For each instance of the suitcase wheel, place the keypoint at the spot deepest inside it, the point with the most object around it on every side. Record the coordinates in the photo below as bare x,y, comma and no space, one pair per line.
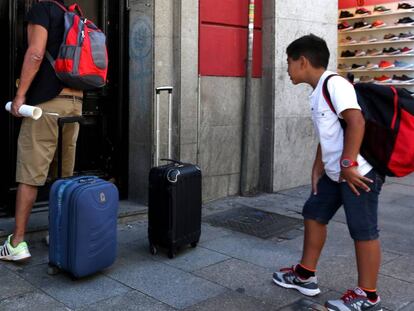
153,249
194,244
52,269
171,253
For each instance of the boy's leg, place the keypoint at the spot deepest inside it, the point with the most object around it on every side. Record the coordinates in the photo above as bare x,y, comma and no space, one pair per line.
314,240
368,256
362,219
318,210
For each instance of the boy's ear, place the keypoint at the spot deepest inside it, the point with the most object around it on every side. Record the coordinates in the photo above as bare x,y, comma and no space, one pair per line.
303,62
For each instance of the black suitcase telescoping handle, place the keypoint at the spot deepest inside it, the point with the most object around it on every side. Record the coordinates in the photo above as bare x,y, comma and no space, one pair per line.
61,123
158,91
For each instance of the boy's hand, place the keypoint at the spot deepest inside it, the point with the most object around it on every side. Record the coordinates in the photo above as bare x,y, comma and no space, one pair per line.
355,179
317,173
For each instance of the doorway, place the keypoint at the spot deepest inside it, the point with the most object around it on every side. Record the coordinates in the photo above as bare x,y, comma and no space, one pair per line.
102,147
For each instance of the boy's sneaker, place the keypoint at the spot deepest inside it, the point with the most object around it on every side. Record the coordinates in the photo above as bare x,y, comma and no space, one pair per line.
354,300
10,253
287,278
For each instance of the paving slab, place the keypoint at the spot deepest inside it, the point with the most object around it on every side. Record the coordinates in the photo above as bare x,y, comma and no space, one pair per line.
131,301
12,284
232,301
395,294
401,268
33,301
409,307
167,284
264,253
209,233
250,279
73,293
192,259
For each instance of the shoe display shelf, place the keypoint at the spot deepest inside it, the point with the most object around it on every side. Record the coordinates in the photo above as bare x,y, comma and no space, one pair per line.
373,38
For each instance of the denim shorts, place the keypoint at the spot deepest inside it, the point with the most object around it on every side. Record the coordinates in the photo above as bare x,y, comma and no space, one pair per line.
361,211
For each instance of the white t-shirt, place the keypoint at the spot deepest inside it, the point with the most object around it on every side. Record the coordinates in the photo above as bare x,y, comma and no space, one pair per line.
327,125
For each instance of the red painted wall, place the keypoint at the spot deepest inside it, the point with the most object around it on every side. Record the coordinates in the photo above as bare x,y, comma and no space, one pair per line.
343,4
223,38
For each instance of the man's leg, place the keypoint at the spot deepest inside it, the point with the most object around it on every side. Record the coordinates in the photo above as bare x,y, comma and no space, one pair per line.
368,257
25,198
314,240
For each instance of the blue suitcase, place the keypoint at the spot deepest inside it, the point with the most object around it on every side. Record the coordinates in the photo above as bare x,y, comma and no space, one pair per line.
83,215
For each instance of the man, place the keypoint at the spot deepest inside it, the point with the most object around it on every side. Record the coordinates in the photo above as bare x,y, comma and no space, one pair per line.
37,140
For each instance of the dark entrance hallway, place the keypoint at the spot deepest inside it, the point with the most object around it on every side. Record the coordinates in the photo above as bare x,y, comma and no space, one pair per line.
103,142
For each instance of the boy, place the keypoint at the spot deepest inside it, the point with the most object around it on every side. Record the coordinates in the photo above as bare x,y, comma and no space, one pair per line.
340,176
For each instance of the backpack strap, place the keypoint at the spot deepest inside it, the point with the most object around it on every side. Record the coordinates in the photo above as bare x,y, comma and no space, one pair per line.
47,54
328,99
326,94
57,3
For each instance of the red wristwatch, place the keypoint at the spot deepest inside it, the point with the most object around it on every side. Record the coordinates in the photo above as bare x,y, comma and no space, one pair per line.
347,163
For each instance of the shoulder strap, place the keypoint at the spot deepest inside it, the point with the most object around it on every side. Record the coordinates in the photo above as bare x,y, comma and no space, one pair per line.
57,3
326,94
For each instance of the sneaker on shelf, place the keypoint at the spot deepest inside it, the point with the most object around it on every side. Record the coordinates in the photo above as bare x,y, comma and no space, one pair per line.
405,21
362,25
10,253
367,39
406,35
381,9
374,52
391,37
348,40
288,278
347,53
402,79
357,67
405,6
402,65
360,53
407,50
378,24
345,14
391,51
383,79
385,65
344,26
362,11
366,79
372,66
344,67
354,300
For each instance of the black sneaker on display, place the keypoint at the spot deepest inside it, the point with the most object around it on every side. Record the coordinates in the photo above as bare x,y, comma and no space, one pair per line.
405,21
405,6
347,53
345,14
362,25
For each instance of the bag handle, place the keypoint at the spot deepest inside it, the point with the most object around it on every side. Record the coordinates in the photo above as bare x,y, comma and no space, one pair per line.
76,8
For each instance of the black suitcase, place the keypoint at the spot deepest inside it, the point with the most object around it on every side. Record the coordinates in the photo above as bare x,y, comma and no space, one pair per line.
174,204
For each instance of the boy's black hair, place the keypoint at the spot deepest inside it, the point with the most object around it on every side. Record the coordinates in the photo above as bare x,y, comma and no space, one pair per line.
312,47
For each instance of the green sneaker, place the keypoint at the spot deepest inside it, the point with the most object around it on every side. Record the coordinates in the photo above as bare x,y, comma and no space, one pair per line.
10,253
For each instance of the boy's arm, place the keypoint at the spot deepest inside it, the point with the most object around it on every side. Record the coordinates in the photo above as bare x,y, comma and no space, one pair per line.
355,128
317,170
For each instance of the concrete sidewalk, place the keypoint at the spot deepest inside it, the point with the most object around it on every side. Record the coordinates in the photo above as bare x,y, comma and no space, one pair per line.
228,270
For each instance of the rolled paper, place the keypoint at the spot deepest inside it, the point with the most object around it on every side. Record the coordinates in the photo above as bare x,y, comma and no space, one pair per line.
27,111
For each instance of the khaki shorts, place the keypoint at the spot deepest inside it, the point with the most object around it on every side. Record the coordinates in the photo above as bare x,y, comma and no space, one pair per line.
36,146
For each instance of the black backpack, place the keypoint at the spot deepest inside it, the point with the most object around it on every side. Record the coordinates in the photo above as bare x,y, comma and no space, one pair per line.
388,143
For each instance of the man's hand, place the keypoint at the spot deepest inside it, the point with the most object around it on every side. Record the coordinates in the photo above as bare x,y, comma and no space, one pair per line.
18,101
355,179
